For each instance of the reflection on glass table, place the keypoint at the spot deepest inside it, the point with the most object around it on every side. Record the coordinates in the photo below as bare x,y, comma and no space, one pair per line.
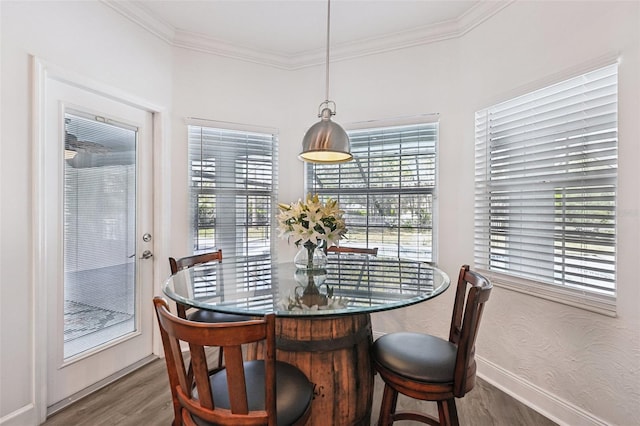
350,284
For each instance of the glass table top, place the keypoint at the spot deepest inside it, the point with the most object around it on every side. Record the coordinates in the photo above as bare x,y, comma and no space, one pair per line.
350,284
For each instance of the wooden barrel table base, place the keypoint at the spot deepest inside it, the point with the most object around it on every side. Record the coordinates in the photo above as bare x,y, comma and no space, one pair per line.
334,354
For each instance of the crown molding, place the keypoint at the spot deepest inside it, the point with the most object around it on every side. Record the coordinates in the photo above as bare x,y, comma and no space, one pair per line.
144,19
480,13
339,52
202,43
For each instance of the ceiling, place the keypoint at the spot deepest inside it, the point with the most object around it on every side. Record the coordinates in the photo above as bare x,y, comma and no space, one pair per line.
292,34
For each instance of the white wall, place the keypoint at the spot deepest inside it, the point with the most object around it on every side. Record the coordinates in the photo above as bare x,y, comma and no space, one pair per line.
577,366
590,361
87,38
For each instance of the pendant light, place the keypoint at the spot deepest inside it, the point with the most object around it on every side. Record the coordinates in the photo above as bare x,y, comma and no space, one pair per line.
326,141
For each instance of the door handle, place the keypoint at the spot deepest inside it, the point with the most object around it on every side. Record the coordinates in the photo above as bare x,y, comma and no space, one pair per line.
146,254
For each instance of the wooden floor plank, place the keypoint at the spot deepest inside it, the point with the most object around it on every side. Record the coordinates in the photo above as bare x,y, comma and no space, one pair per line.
140,398
143,398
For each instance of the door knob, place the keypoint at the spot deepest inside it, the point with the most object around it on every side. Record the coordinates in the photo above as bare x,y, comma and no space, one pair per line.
146,254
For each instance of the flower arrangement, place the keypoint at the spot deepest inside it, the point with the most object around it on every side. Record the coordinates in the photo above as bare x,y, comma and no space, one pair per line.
311,222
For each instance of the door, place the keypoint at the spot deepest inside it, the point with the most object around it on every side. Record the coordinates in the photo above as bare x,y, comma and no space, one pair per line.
99,310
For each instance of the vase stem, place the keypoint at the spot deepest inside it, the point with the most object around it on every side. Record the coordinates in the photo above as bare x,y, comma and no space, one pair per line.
311,248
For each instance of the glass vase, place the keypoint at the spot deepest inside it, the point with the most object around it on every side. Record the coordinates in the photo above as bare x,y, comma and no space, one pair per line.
310,256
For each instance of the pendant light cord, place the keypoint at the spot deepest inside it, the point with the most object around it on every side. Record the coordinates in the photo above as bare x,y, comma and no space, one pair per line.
328,41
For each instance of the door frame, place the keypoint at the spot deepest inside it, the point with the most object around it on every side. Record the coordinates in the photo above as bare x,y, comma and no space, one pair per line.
43,262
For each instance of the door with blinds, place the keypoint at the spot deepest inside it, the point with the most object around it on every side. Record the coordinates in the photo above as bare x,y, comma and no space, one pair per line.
99,295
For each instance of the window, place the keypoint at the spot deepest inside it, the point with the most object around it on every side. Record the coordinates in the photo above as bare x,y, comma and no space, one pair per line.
233,194
387,191
546,172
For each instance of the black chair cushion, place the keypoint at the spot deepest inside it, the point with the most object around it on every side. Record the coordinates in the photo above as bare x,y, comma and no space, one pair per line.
416,356
293,391
203,315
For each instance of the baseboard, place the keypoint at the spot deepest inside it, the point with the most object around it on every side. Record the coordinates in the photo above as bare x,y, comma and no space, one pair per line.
536,398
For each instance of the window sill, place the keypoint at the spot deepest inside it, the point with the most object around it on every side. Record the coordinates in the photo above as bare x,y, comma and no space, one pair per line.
599,303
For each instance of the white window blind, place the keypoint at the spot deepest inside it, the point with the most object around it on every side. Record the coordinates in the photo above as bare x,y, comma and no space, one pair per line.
233,176
387,190
546,172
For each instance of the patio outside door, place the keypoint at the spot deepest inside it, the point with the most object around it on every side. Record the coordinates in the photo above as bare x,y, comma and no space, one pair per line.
99,300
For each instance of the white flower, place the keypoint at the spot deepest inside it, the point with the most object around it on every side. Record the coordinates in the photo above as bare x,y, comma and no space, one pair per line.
311,221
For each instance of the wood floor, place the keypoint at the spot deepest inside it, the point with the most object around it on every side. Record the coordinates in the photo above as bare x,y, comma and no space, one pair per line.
143,398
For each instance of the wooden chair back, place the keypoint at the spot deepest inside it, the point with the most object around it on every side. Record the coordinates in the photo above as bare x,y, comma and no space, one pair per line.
197,259
198,400
360,250
465,322
189,262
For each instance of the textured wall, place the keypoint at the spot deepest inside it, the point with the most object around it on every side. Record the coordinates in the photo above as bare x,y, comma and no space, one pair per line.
585,360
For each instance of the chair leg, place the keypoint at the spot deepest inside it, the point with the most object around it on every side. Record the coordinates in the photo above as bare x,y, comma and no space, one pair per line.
177,411
448,413
388,406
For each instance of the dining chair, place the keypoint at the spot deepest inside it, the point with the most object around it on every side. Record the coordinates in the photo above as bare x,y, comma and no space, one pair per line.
429,368
200,315
243,392
361,250
352,269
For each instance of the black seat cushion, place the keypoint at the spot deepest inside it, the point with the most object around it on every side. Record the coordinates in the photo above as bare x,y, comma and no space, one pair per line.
293,391
416,356
203,315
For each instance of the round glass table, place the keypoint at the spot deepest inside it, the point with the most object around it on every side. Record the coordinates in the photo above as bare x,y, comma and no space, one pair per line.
323,323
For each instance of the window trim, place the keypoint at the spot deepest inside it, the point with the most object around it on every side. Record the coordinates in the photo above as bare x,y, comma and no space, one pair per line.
229,125
593,301
601,304
428,118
